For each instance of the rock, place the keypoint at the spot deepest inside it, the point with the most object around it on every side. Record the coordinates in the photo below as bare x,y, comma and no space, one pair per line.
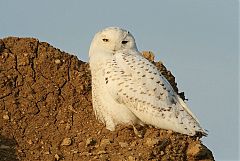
57,61
6,117
66,142
57,157
161,152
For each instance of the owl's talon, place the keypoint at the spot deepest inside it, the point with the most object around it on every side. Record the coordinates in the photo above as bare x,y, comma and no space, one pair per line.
136,132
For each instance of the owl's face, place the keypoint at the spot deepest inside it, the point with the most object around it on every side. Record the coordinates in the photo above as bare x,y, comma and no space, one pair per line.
112,39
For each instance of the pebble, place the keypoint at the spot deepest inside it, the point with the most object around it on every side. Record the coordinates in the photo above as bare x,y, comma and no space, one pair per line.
161,152
57,157
57,61
66,142
6,117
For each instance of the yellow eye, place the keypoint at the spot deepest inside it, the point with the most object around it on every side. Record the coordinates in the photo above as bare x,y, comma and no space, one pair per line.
124,42
105,40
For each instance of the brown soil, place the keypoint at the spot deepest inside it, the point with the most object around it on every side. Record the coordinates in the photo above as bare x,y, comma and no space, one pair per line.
46,113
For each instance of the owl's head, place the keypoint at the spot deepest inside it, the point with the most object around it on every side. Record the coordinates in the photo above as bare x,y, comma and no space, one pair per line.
112,39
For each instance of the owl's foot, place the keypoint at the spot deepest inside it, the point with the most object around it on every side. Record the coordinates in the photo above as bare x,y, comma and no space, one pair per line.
139,130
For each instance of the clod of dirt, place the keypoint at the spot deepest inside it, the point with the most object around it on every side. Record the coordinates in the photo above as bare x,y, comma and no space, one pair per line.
45,103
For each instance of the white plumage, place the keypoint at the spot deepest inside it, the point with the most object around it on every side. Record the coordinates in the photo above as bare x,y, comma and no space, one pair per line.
128,89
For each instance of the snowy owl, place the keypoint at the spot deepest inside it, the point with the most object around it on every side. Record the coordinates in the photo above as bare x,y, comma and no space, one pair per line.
128,89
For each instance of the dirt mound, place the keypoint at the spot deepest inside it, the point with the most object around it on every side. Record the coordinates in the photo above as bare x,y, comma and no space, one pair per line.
46,113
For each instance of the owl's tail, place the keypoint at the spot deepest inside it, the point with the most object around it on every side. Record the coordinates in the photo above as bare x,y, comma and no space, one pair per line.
184,105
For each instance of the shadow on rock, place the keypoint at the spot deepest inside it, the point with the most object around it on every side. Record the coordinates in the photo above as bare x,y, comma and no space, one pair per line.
8,149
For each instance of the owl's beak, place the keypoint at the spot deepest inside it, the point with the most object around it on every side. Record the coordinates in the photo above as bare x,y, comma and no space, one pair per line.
114,49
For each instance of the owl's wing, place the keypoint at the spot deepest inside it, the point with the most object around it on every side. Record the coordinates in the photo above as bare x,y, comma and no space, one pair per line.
135,82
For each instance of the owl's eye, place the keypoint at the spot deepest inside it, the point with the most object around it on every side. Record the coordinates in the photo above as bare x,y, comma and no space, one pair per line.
105,40
124,42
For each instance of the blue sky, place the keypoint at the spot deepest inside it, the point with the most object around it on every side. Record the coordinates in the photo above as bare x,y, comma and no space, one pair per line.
196,39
